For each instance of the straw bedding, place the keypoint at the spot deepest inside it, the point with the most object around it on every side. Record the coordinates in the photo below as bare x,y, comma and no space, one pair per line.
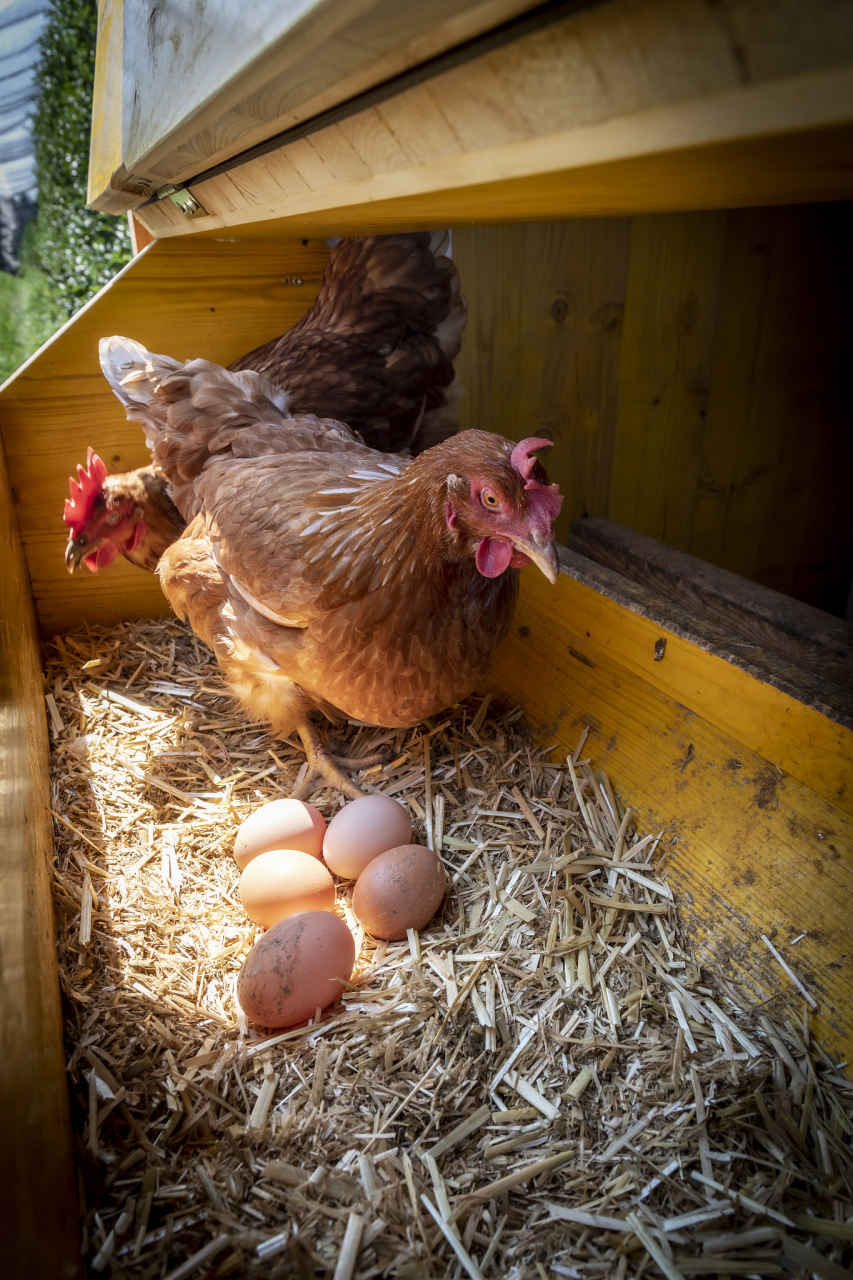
544,1082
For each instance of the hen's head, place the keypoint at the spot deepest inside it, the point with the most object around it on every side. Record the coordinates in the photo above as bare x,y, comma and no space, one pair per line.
104,514
500,506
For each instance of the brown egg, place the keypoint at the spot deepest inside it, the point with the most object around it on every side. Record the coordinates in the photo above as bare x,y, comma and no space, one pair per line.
281,824
399,890
281,882
360,831
299,965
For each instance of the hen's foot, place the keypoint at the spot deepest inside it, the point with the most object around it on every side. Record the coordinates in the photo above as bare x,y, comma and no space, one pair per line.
326,769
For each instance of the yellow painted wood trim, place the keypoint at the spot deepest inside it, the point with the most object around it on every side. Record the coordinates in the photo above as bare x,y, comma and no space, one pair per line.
106,146
791,735
658,151
748,849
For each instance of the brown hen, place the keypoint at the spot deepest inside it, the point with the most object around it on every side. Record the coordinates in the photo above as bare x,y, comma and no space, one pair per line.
326,575
129,514
375,350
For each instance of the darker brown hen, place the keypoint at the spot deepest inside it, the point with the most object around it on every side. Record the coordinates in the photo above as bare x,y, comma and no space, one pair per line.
326,575
375,350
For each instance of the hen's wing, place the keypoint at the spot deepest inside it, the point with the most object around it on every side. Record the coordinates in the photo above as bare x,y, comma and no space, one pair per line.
238,633
285,528
376,349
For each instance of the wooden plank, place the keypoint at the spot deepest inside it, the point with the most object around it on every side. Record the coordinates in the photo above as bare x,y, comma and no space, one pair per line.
815,640
621,108
733,438
749,847
774,502
800,723
140,236
185,298
189,88
665,372
106,145
40,1235
601,63
541,349
561,176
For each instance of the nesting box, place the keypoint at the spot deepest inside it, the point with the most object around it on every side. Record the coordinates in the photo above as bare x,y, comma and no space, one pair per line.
649,217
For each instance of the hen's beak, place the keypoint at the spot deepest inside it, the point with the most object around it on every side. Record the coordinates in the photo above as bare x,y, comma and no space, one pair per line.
75,551
543,554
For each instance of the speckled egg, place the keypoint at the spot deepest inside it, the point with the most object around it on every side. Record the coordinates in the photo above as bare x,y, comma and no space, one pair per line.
299,965
281,824
281,882
401,889
360,831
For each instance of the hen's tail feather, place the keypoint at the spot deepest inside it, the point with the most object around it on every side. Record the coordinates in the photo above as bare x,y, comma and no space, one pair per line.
196,411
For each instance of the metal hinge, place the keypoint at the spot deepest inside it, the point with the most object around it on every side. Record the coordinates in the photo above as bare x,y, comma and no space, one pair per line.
186,202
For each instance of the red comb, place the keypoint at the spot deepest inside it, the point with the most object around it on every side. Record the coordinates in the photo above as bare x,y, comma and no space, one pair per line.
91,479
545,503
523,457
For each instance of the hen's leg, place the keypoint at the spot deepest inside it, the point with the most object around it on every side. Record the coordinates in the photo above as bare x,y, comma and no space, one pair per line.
325,767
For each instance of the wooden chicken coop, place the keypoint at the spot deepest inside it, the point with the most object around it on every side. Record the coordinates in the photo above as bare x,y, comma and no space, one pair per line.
650,203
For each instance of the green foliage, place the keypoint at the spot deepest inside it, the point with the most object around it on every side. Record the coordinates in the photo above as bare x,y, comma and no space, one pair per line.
69,252
77,249
29,311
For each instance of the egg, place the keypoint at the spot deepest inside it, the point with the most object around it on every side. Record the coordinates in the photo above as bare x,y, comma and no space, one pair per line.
401,889
299,965
281,824
360,831
281,882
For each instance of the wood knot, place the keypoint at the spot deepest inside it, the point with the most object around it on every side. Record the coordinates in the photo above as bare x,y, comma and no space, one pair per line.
559,310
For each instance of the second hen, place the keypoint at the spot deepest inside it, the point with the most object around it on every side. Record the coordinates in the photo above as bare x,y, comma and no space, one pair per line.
326,575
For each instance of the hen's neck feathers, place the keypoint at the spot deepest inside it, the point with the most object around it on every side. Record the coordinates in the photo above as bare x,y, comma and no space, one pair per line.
385,522
164,524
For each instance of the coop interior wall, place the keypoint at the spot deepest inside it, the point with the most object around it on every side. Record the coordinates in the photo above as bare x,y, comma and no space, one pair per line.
758,831
690,368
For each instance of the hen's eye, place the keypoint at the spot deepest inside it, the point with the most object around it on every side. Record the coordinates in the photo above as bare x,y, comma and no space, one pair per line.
489,499
112,518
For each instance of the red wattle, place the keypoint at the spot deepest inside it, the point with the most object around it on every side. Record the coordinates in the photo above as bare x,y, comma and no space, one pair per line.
494,556
99,559
136,537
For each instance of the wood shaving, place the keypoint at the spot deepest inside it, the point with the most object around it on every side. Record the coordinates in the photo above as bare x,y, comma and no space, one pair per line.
543,1082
